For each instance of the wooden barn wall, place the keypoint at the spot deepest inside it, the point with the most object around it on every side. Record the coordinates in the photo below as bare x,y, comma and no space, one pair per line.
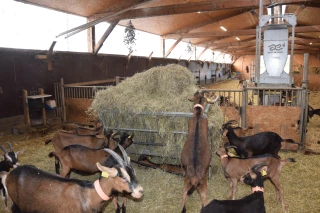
298,64
19,69
282,120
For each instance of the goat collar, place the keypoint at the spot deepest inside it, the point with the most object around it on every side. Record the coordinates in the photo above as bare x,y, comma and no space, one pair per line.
99,191
198,105
223,156
257,189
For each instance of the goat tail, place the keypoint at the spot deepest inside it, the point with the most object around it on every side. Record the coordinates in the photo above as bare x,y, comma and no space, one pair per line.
57,161
288,140
194,182
48,141
285,161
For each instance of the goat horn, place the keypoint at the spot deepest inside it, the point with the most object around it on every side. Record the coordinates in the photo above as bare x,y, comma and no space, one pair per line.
10,146
5,151
227,147
256,167
116,156
212,101
125,155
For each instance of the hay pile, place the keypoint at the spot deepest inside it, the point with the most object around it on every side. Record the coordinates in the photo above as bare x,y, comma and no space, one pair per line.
133,103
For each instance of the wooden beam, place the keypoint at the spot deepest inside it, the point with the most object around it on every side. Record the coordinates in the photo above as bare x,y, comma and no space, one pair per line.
253,52
300,29
172,47
91,36
203,6
104,37
150,56
299,10
50,53
93,23
207,22
128,58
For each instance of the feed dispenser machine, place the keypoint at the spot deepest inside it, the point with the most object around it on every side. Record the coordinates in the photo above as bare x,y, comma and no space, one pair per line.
277,71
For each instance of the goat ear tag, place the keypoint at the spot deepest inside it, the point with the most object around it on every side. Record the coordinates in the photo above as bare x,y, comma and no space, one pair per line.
263,173
105,174
129,136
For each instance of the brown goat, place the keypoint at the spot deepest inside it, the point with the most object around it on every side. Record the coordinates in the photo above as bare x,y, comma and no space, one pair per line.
32,189
82,159
196,152
234,168
62,139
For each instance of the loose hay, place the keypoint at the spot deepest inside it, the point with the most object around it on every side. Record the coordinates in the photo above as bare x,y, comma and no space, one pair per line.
135,102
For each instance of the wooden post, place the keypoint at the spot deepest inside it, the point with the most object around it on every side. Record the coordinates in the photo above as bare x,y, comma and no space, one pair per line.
44,117
25,107
244,104
305,101
63,106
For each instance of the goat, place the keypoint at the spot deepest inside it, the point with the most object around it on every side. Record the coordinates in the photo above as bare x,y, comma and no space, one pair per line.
240,132
258,144
31,189
10,160
234,168
170,168
62,139
82,159
253,203
196,153
312,111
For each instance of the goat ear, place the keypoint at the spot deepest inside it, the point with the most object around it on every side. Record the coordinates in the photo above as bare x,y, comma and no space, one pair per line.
20,152
263,170
191,99
111,171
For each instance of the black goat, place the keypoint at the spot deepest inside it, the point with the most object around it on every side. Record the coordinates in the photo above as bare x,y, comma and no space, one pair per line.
253,203
258,144
312,111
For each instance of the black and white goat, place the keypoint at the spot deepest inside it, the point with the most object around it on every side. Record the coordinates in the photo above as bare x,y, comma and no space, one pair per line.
253,203
9,161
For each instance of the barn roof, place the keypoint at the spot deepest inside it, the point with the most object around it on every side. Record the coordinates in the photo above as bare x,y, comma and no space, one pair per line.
198,21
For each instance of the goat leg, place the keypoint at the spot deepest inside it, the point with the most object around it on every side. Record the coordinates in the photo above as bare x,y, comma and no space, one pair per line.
234,188
203,191
116,204
124,205
187,186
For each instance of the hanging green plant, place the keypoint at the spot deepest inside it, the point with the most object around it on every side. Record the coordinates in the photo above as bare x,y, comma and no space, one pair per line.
129,37
190,48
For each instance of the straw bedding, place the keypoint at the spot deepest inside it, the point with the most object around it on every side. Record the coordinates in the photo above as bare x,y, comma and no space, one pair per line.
162,191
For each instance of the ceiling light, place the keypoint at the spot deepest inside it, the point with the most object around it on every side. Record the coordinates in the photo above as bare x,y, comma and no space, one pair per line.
238,38
310,43
223,28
